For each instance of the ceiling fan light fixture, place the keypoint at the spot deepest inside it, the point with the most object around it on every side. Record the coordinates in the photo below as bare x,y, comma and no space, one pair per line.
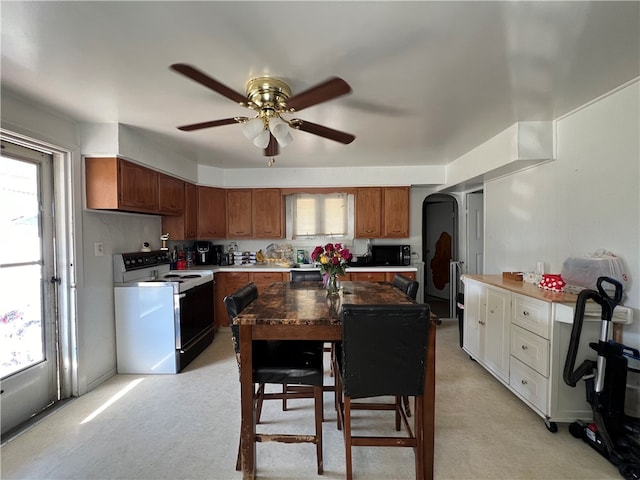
253,128
262,139
280,130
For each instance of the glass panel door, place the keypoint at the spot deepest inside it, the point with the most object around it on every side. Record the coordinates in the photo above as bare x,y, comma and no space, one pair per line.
28,362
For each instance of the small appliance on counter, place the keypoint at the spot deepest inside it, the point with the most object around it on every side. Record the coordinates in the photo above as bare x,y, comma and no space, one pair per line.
206,253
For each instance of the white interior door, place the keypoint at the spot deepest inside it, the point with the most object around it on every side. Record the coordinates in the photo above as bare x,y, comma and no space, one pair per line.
28,355
475,233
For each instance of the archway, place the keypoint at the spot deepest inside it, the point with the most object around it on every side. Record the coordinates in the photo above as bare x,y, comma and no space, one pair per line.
439,247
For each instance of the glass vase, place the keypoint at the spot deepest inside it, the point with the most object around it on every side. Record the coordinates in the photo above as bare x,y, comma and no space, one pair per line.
332,284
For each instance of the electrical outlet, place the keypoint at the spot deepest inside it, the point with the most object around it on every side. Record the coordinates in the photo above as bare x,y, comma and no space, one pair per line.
98,248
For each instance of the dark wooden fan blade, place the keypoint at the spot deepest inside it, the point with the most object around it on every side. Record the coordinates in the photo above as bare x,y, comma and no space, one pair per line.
322,131
204,79
327,90
213,123
272,149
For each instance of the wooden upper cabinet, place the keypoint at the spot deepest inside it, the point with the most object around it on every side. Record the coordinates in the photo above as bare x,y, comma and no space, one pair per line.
170,194
267,213
368,213
190,210
382,212
239,213
138,187
395,216
116,184
212,205
184,226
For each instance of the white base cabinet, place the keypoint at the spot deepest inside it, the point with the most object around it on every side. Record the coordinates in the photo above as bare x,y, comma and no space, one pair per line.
523,341
486,327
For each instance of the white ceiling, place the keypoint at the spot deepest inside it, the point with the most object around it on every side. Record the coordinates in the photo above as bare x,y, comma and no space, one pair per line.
431,80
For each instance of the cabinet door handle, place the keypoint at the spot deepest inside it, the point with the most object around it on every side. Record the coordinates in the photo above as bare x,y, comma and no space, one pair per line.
524,347
481,323
525,313
523,382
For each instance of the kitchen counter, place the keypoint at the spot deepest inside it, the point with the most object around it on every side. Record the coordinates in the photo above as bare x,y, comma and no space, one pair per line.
271,268
524,288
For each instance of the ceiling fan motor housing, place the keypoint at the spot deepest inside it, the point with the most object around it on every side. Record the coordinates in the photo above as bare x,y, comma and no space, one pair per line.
267,93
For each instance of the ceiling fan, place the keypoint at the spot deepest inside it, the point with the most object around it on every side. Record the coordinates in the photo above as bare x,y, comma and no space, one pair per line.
271,98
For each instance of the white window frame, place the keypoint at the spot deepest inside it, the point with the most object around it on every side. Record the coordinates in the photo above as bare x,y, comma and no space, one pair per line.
290,219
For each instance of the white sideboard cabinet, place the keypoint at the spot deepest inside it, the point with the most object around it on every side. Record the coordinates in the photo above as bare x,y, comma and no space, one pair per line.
521,335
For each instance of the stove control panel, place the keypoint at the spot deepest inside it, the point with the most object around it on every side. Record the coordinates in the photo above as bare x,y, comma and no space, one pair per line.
136,260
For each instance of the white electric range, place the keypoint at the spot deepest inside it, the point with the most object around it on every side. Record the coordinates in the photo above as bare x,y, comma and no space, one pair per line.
164,317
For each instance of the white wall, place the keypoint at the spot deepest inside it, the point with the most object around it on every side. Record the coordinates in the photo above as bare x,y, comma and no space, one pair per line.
588,198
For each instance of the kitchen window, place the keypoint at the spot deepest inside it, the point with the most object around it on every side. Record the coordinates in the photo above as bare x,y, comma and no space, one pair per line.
310,216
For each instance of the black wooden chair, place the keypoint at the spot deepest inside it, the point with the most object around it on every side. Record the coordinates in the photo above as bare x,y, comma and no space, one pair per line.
383,353
407,285
285,363
306,275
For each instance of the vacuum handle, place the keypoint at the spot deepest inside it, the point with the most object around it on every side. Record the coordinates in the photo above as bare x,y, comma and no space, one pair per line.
607,311
617,297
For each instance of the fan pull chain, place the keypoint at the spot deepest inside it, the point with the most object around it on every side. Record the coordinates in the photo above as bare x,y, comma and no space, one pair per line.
272,161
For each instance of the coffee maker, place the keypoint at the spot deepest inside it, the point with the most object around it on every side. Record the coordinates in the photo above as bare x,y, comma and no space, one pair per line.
206,253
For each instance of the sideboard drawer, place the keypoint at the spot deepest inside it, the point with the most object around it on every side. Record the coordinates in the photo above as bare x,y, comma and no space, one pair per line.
528,383
530,349
532,314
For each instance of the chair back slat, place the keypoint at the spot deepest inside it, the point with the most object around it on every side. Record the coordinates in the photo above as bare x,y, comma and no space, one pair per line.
384,349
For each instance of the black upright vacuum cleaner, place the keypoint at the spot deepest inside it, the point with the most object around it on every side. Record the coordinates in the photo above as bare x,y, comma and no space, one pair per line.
615,435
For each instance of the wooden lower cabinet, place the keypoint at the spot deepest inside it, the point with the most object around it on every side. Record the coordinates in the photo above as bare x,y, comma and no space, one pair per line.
368,276
410,274
264,279
376,276
226,283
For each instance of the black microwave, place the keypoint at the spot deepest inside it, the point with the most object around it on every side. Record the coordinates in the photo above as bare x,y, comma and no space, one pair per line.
393,255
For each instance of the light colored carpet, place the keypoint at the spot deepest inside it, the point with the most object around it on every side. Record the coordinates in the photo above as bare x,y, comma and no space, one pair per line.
186,427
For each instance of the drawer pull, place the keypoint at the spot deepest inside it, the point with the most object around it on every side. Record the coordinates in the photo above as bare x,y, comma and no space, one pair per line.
481,322
525,313
523,382
524,347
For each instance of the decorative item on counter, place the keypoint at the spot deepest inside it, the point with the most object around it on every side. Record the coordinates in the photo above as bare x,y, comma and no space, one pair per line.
164,238
145,247
552,282
333,260
517,276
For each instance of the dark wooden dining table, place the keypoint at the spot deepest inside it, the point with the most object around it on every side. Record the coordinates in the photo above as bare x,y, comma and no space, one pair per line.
303,311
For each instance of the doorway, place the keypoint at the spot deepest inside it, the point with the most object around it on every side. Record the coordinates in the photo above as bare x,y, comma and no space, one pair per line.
30,247
439,247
